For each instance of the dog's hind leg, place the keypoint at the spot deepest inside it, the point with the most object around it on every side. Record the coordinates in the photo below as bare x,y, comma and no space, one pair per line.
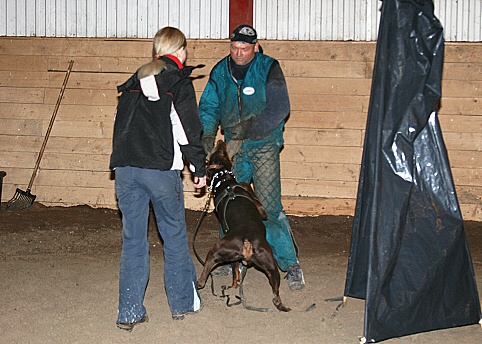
236,275
219,254
266,263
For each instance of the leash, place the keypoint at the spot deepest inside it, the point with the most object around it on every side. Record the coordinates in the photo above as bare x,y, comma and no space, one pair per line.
241,298
198,225
196,230
342,299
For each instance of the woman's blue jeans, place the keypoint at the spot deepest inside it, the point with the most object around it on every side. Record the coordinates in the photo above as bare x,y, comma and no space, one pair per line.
135,187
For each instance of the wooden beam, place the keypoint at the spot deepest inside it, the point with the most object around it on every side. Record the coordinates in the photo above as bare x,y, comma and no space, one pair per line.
240,12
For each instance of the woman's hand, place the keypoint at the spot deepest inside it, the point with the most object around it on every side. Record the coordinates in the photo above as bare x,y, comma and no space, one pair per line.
199,182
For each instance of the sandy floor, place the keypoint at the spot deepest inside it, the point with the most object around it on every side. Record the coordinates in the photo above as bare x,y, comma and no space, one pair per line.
59,269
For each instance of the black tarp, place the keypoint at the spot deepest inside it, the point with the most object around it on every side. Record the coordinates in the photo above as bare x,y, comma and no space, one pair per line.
409,259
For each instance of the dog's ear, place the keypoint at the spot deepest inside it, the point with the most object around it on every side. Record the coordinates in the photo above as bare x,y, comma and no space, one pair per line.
214,167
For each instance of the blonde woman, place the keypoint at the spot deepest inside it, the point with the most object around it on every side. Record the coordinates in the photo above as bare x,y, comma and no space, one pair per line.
156,127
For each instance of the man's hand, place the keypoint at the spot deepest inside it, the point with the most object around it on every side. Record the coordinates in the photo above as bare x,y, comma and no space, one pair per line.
199,182
242,130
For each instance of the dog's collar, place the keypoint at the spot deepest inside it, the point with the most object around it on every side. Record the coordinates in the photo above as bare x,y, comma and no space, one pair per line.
216,180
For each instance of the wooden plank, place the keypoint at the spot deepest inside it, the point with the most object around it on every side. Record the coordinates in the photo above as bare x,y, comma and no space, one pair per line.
462,71
23,78
74,178
86,112
77,145
319,50
57,161
460,123
471,212
329,102
317,171
322,85
104,64
19,62
83,96
323,154
463,141
353,120
313,206
21,95
72,129
461,88
324,137
462,52
464,159
327,69
332,86
461,106
350,172
96,80
293,50
25,111
44,46
469,194
327,120
66,112
64,178
319,188
62,196
21,127
467,176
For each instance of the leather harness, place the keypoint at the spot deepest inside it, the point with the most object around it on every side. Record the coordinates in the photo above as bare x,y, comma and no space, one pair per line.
228,194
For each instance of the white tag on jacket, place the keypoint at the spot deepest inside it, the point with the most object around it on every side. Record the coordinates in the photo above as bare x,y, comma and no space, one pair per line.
248,91
149,88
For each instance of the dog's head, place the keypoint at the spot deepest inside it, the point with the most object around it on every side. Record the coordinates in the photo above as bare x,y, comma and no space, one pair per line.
219,160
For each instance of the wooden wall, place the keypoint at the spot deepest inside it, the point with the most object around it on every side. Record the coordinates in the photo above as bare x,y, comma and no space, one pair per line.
329,85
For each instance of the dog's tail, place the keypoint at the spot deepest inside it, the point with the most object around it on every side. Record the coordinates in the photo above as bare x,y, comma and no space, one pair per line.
247,249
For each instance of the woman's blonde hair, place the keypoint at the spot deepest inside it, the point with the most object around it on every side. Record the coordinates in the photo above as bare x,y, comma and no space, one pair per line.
167,40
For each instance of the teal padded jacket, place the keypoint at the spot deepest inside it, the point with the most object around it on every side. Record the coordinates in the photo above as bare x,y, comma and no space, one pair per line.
227,102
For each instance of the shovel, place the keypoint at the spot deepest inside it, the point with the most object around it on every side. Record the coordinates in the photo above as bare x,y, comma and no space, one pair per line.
24,199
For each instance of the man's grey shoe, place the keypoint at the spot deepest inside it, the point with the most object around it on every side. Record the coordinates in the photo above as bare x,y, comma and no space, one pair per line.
129,326
223,270
295,278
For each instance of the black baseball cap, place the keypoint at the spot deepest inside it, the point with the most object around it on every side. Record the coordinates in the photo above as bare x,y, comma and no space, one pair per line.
244,33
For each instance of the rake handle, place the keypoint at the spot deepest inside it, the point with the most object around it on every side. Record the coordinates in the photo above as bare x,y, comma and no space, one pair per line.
52,119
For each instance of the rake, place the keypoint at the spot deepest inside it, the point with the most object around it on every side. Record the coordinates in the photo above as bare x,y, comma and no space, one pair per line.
24,199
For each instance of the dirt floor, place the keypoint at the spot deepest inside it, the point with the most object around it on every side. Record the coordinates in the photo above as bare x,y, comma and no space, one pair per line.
59,269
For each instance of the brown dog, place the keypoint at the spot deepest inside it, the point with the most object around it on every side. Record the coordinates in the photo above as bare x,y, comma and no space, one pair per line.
241,216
